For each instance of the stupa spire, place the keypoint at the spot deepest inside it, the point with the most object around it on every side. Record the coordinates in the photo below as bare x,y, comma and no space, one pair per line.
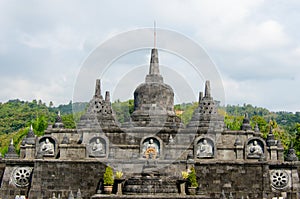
154,66
154,34
98,88
207,89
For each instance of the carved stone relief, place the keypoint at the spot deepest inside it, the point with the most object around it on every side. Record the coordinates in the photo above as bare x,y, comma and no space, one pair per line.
204,148
97,147
279,179
21,176
47,147
151,148
255,149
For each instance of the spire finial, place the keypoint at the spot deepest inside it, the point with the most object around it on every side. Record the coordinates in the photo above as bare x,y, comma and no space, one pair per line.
154,66
207,89
154,34
12,141
98,88
107,96
31,128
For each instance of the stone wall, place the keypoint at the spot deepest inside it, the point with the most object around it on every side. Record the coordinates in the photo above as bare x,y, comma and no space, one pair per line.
60,177
244,179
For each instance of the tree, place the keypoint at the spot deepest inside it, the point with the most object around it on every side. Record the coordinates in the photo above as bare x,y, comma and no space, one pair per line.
40,125
68,121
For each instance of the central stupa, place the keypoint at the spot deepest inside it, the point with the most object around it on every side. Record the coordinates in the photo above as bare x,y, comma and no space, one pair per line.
154,100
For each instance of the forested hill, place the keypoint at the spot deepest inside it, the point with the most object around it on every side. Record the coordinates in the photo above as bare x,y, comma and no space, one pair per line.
17,114
16,117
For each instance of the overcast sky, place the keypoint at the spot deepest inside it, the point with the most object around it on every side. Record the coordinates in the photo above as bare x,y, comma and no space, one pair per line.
254,44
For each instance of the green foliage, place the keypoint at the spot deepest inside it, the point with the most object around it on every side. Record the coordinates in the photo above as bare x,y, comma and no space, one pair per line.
16,114
17,138
119,174
233,122
108,177
71,108
261,122
296,138
192,178
68,121
185,111
40,124
123,110
184,175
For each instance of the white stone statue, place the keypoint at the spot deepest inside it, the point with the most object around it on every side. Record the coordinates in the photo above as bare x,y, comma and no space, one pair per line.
47,147
98,146
171,140
255,149
151,149
204,149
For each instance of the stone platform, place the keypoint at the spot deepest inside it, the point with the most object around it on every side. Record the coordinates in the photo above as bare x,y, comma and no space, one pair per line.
158,196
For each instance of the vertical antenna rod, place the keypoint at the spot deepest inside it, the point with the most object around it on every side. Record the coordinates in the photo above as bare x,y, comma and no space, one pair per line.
154,34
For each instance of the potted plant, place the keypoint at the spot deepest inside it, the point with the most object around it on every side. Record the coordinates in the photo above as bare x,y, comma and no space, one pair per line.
119,175
182,182
119,179
192,182
184,175
108,180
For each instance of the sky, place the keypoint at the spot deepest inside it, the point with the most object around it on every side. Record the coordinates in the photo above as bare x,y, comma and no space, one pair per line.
253,44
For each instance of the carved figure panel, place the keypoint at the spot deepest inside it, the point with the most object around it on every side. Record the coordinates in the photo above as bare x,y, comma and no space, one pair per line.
97,147
205,148
151,148
255,149
47,147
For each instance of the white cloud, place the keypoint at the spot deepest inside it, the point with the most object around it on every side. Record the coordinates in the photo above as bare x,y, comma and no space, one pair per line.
60,39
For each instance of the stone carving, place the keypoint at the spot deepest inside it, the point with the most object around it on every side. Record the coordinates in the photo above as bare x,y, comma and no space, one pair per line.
279,179
151,149
171,139
47,147
205,148
11,152
255,150
65,140
97,147
291,155
21,176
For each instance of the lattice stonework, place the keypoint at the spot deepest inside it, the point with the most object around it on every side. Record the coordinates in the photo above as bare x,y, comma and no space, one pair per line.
21,176
279,179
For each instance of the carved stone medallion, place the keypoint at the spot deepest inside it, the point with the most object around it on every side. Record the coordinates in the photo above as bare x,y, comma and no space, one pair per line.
21,176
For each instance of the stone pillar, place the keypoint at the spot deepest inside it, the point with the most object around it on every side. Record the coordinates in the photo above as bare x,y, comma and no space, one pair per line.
273,152
239,152
182,187
295,183
29,152
280,154
119,186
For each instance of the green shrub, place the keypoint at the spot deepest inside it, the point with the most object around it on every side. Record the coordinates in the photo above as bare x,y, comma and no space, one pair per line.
193,178
108,177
